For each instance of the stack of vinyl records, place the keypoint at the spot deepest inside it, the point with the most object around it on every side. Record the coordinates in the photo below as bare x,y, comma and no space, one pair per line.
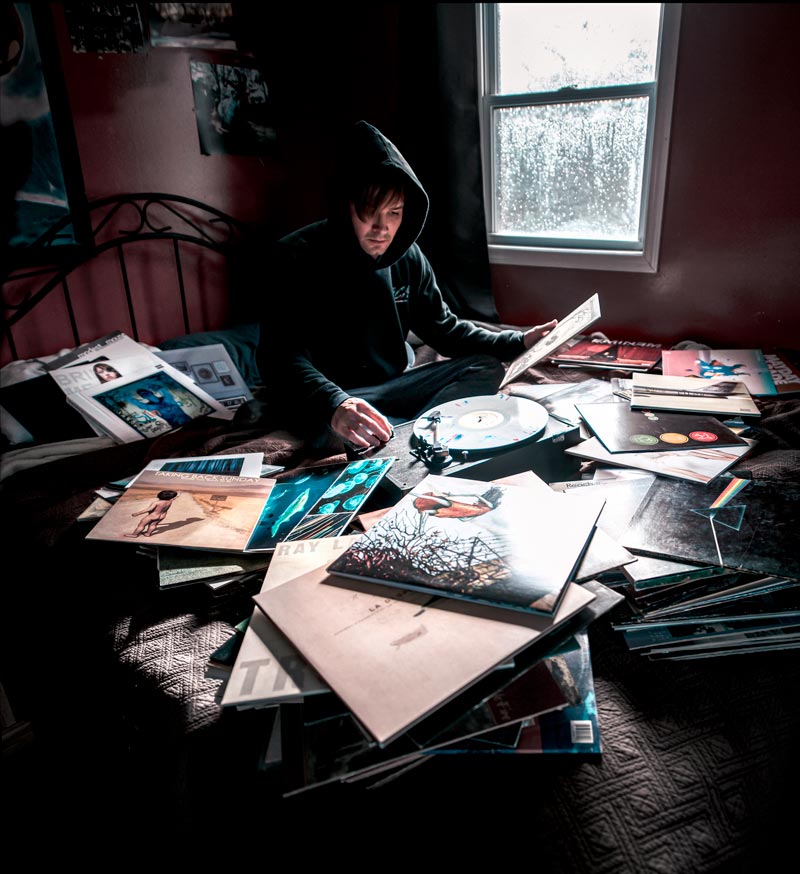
717,570
431,634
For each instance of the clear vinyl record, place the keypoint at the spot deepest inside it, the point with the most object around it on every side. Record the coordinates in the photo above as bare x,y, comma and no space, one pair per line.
484,423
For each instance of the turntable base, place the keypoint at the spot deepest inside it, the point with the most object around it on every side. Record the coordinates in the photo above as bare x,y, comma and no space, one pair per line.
544,456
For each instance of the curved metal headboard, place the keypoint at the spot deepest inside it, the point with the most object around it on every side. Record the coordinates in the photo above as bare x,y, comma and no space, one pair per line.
116,222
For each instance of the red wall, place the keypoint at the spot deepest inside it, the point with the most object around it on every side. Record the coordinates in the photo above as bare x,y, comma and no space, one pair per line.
730,251
729,272
136,130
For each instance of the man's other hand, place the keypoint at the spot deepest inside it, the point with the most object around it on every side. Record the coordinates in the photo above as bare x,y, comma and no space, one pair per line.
534,334
361,424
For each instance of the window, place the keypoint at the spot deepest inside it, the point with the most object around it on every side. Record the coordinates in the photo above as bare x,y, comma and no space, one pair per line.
576,103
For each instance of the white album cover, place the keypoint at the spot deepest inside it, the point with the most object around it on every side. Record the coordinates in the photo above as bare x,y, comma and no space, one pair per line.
147,403
578,320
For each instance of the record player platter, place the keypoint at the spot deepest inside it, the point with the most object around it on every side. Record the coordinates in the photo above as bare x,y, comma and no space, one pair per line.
483,424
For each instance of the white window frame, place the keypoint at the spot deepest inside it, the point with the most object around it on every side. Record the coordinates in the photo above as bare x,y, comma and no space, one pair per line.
644,257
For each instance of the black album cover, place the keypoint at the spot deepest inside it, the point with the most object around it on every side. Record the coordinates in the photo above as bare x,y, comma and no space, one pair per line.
746,525
621,429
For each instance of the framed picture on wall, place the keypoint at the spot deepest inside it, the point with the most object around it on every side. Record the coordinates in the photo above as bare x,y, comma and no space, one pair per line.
192,25
43,214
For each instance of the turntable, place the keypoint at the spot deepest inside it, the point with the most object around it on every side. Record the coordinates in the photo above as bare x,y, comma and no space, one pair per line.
483,437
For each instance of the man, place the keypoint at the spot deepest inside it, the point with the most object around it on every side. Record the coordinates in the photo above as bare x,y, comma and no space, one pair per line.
344,293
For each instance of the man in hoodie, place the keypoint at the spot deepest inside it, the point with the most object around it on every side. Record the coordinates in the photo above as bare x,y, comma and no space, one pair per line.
343,295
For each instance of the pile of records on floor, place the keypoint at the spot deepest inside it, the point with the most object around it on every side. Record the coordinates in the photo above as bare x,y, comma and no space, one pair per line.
706,612
432,633
714,568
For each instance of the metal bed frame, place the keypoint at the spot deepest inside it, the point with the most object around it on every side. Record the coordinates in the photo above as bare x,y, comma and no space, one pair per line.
116,222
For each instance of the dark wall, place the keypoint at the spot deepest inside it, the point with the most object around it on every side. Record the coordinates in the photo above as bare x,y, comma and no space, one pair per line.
730,252
324,69
729,271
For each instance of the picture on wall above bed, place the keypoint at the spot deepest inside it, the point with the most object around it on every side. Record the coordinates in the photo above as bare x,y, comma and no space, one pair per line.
232,108
42,177
146,403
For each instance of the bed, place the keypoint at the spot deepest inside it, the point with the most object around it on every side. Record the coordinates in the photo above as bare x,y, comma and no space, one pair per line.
108,679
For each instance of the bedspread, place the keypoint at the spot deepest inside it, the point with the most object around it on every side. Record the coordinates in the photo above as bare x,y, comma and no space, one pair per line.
699,765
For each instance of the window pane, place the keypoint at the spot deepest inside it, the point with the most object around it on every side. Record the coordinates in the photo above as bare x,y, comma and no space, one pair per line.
547,46
570,170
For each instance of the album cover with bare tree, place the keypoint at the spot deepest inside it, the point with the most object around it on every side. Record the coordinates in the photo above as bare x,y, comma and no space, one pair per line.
504,545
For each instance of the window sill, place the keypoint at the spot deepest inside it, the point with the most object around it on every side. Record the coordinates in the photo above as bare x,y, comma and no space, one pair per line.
574,259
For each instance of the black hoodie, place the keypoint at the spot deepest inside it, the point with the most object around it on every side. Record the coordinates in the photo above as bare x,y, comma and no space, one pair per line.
336,318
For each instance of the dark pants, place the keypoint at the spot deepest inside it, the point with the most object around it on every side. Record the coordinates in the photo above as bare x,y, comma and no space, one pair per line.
419,389
406,397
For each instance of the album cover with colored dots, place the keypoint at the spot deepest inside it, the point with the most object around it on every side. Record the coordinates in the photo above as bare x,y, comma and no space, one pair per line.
622,429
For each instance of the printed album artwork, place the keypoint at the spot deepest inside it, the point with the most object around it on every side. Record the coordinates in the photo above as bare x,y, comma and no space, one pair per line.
149,404
576,728
113,346
718,396
82,377
577,321
211,367
503,545
316,502
193,510
742,524
573,729
241,464
746,365
595,352
784,368
621,429
697,465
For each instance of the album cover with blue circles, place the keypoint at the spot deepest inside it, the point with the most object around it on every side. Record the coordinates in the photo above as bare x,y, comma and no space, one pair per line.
316,501
621,429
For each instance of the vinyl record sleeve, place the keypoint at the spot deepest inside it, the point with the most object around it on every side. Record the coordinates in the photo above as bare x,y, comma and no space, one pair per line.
745,525
146,403
489,543
694,465
718,396
317,501
744,365
622,429
577,321
393,655
212,367
269,669
190,510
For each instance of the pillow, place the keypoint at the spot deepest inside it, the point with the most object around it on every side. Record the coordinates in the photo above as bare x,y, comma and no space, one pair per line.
241,343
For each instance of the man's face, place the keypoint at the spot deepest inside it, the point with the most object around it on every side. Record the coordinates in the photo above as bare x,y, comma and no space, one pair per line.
376,230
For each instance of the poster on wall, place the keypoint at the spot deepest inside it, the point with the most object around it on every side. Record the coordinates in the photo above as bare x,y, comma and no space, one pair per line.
232,108
192,25
105,27
42,190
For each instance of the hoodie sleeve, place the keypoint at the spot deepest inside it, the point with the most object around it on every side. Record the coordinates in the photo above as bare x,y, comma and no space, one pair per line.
293,383
435,323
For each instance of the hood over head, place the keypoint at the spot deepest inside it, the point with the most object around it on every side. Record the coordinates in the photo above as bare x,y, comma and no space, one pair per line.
366,155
